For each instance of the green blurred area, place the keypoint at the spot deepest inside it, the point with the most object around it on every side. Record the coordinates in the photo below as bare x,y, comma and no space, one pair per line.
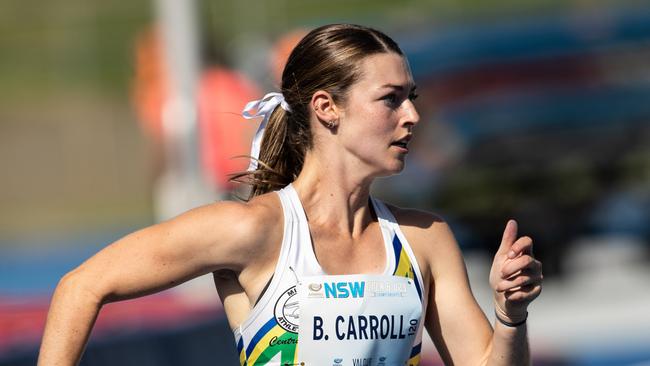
53,47
227,18
71,153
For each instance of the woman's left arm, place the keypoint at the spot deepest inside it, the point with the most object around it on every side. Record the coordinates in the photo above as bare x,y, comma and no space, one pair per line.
457,325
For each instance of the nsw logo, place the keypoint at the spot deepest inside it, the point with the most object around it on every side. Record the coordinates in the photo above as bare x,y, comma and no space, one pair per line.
342,290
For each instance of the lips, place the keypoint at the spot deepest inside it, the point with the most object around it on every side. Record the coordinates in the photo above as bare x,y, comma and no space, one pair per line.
403,142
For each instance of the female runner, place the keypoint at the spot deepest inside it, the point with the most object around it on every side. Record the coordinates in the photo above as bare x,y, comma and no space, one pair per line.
312,270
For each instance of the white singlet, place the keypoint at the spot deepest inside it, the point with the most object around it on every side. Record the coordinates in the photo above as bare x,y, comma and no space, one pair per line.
306,317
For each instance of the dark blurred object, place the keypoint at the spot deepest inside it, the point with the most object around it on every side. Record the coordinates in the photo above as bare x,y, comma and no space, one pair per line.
552,183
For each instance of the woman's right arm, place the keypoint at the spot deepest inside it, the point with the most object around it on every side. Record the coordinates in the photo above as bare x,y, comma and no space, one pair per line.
203,240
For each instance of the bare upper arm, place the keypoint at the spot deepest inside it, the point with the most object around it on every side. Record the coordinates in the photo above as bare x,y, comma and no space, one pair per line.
218,236
455,322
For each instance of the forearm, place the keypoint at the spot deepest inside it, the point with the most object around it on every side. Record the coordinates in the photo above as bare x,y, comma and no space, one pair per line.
509,346
72,313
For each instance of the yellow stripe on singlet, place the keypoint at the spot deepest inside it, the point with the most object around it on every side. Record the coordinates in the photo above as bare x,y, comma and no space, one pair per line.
404,267
263,343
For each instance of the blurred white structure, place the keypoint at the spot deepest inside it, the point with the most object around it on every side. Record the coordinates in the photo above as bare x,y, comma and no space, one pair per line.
182,185
602,307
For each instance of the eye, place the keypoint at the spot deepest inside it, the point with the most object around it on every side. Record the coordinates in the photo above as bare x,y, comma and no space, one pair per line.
391,100
413,96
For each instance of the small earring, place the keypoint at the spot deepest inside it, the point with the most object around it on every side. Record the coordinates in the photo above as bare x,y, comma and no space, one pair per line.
331,123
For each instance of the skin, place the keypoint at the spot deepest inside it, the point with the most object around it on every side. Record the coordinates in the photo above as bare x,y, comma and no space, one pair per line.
240,242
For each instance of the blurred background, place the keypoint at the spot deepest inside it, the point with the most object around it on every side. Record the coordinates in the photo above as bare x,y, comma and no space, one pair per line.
116,115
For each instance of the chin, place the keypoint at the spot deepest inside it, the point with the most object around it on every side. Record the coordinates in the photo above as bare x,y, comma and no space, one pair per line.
387,168
395,168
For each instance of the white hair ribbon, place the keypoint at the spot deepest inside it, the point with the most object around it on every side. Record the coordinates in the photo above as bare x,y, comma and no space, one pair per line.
263,108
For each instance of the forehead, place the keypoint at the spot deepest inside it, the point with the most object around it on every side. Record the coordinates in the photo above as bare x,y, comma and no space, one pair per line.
385,69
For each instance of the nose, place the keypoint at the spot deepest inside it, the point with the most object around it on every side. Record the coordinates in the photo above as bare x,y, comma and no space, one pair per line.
411,115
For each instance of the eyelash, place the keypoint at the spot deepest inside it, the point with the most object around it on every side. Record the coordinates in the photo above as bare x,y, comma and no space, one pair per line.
391,99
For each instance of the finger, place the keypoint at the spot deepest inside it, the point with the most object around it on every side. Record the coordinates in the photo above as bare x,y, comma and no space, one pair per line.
524,294
518,282
519,265
522,245
509,237
534,271
525,262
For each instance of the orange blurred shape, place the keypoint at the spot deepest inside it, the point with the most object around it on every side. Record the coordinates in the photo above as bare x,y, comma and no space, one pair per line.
223,132
282,49
150,83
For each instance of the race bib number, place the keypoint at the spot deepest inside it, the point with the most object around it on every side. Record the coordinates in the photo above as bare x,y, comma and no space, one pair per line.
357,320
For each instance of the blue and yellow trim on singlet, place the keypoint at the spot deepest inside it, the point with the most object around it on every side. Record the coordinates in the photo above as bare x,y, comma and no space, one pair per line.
404,268
414,358
403,265
267,343
240,351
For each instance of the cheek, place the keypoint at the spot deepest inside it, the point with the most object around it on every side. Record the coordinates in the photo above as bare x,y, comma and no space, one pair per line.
376,119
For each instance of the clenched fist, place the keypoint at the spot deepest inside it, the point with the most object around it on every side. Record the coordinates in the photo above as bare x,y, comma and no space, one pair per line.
516,276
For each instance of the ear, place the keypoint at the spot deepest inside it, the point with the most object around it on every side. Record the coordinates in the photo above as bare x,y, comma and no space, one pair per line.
324,107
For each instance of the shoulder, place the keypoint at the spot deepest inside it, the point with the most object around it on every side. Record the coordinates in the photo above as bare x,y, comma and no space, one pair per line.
420,223
257,220
239,230
429,235
259,214
255,217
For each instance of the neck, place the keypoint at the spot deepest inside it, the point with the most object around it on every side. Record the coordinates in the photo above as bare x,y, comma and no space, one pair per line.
333,196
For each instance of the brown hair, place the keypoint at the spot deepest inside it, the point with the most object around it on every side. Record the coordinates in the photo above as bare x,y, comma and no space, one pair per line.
327,58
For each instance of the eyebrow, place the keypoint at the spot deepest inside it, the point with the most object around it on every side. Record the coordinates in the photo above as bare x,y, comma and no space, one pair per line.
398,87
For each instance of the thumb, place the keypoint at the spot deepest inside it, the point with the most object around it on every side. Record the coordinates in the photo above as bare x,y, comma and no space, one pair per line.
509,237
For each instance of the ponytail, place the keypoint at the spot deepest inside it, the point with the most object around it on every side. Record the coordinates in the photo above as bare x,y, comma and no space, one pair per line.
282,155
